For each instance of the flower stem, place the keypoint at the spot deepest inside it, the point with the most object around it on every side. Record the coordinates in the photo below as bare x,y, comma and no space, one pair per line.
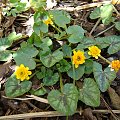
105,59
33,74
73,75
57,29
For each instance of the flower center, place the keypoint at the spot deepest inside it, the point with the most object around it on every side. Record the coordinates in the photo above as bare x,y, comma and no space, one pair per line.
22,73
78,58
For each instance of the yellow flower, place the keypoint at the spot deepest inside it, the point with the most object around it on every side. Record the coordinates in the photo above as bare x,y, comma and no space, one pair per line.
115,64
48,21
22,72
78,58
94,51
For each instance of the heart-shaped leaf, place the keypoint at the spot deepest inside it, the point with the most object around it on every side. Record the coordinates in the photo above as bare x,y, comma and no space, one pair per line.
77,73
63,66
49,59
88,66
103,78
5,55
4,44
95,14
117,25
25,56
65,102
90,93
114,42
106,13
61,18
76,33
14,87
50,79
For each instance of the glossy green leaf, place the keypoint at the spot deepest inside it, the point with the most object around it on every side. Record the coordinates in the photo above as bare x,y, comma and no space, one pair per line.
4,43
41,74
40,27
114,44
49,59
77,73
103,78
95,14
50,79
76,33
106,13
86,42
63,66
66,50
38,92
61,18
15,88
90,93
25,56
66,102
5,55
13,36
88,66
117,25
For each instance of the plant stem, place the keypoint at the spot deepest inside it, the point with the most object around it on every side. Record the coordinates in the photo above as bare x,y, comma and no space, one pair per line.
37,60
73,74
33,74
61,83
57,29
105,59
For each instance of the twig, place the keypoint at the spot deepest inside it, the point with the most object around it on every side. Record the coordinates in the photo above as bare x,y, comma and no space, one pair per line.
38,98
105,30
18,98
108,107
82,7
106,111
98,21
32,115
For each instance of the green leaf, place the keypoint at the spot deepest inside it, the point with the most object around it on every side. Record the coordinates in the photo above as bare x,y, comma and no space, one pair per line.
65,102
90,93
41,74
76,33
49,59
103,78
117,25
4,43
39,92
106,13
86,42
77,73
13,36
5,55
15,88
61,18
25,56
66,50
102,42
40,27
95,14
63,66
51,79
114,44
88,66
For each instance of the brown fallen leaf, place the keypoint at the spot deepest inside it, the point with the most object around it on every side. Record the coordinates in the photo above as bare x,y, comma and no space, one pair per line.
88,114
115,98
4,69
8,22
